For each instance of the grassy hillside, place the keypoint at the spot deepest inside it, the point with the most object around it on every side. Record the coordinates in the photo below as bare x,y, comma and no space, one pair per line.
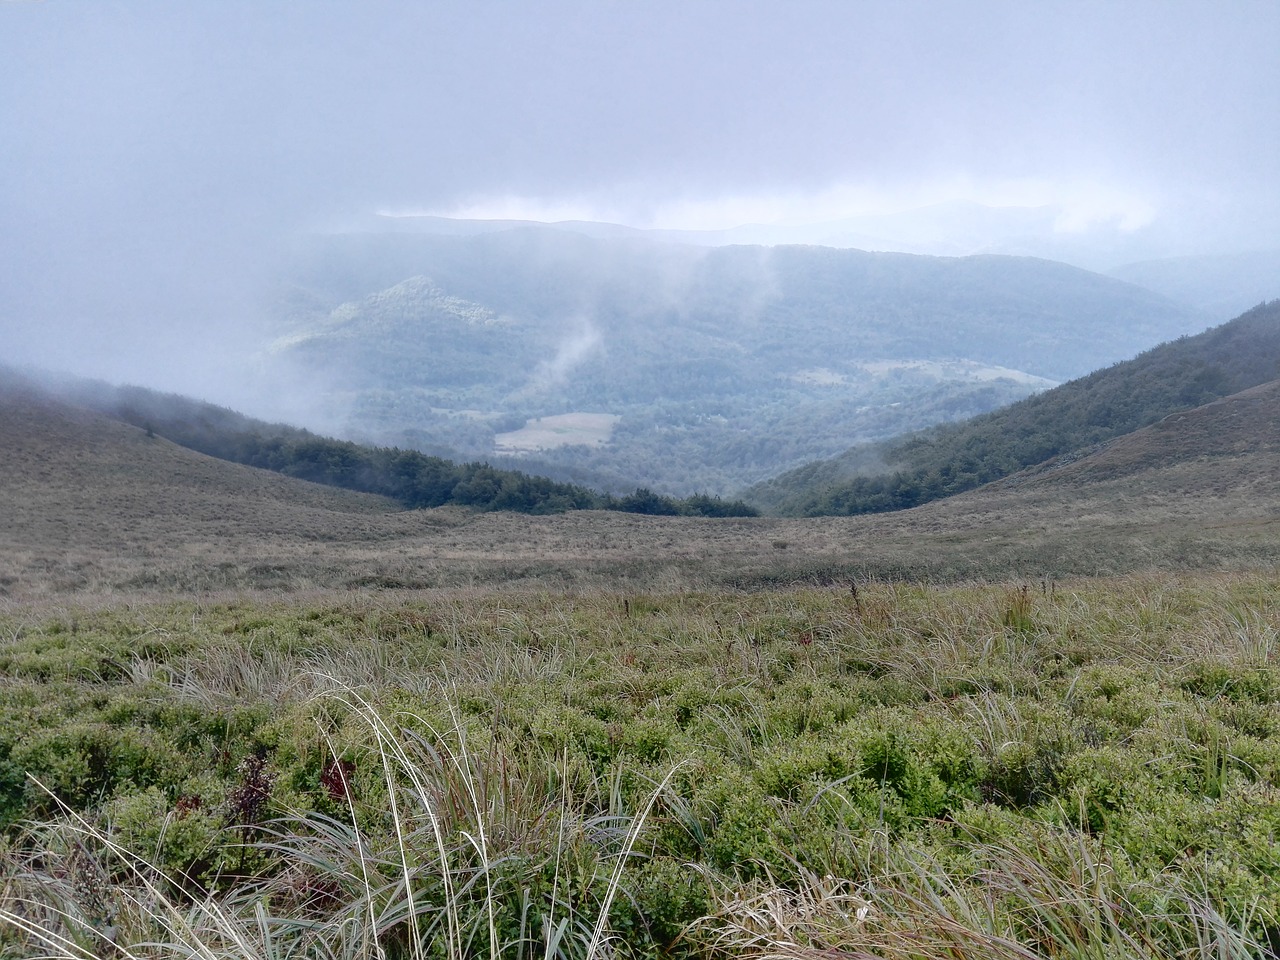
724,365
1223,443
1106,404
246,716
73,475
93,506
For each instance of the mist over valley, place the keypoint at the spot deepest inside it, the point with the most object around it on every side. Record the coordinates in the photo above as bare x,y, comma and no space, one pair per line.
639,480
715,367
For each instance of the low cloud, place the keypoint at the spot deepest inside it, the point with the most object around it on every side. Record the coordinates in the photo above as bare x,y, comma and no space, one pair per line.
572,350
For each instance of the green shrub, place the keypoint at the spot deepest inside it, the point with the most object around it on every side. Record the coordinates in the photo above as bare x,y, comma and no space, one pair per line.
185,839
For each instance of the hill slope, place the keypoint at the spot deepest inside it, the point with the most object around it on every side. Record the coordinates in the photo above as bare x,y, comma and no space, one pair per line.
85,485
1106,404
1199,489
92,506
1223,445
1219,461
723,366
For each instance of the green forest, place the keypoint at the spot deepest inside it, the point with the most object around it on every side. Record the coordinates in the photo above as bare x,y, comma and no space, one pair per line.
415,480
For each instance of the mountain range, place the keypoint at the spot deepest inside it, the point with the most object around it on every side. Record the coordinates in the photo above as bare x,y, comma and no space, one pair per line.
679,367
1106,243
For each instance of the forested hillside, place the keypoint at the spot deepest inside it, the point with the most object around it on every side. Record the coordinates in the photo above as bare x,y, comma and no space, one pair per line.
407,476
716,367
1061,422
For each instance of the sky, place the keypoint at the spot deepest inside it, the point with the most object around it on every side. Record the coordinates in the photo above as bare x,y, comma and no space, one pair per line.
157,157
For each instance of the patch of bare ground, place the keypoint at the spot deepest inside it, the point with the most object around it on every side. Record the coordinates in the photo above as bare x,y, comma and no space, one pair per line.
92,507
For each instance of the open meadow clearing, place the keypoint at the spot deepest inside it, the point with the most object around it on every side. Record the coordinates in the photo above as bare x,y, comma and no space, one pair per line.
558,430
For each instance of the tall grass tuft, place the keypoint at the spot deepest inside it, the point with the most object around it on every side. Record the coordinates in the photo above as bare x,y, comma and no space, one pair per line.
1064,896
449,851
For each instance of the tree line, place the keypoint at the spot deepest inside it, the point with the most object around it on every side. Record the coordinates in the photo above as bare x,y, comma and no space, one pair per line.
420,481
415,480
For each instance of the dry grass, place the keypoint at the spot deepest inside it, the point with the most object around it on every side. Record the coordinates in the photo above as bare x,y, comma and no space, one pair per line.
430,889
96,507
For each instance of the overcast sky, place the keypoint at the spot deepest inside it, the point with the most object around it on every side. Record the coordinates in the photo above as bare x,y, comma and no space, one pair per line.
154,155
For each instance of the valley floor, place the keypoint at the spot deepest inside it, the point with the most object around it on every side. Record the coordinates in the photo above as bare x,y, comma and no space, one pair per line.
1031,532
